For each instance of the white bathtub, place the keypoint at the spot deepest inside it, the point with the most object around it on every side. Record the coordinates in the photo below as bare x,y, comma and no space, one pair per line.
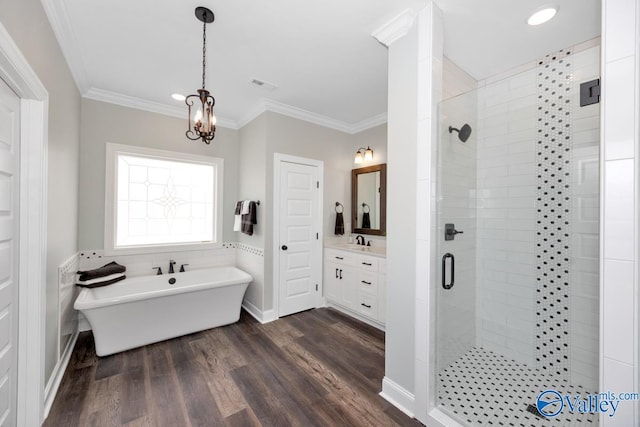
144,310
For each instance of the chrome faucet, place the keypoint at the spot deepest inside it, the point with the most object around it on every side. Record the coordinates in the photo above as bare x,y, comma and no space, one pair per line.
171,263
360,239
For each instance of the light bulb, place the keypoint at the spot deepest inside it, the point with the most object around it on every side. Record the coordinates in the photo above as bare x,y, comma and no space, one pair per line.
368,154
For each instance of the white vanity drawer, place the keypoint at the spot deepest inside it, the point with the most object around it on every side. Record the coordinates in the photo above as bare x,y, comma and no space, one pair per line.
367,305
368,263
341,257
367,282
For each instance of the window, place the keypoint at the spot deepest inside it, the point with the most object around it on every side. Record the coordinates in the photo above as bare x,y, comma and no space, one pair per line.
161,200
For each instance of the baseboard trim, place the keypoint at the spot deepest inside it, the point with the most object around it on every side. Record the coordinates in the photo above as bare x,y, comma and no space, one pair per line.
261,316
51,389
398,397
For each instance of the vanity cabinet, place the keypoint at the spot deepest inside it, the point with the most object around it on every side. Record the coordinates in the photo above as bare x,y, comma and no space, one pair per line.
355,283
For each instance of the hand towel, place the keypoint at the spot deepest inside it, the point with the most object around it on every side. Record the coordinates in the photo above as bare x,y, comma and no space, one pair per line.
249,219
105,270
237,222
245,207
103,283
99,280
366,221
339,229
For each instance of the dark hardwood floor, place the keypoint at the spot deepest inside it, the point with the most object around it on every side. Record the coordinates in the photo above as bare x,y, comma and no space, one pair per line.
316,368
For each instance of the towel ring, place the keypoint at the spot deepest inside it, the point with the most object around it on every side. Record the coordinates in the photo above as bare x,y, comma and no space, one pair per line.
340,205
367,206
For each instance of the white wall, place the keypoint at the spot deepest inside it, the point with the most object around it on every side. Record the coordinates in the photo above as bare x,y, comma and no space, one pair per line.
619,292
27,24
102,123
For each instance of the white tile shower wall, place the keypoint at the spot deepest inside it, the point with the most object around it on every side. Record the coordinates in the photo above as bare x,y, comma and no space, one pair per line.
456,183
506,219
585,188
505,216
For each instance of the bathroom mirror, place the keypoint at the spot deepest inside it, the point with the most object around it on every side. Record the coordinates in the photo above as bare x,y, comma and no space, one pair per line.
369,200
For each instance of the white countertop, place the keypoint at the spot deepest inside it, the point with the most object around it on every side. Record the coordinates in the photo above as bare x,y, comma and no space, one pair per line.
377,251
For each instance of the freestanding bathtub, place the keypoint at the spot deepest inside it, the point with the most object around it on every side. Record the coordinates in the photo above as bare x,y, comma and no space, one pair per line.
144,310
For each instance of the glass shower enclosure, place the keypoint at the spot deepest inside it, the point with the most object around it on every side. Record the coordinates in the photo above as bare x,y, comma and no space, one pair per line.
517,244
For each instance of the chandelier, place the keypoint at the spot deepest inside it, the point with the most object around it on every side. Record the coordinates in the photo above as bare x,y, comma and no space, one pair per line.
202,122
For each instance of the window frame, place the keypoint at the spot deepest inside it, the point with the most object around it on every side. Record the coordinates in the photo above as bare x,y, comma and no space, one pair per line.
113,151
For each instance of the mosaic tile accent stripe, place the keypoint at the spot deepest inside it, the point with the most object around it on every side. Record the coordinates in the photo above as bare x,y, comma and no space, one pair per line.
553,212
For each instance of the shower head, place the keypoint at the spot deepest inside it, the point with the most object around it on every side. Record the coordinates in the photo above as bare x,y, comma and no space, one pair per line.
463,133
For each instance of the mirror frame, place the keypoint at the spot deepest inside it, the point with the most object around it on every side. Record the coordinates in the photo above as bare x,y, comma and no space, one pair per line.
382,168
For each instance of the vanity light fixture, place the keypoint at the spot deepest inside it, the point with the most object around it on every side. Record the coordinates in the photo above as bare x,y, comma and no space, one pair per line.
202,122
363,155
543,15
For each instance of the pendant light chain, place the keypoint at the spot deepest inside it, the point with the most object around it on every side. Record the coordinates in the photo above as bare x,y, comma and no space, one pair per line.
204,50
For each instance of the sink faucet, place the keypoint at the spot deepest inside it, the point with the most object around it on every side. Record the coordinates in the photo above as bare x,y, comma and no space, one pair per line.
171,263
360,239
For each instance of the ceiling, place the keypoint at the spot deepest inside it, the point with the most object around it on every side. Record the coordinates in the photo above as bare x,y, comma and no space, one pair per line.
320,55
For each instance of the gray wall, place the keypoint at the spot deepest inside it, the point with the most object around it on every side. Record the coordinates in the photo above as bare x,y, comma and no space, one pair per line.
251,180
102,123
27,24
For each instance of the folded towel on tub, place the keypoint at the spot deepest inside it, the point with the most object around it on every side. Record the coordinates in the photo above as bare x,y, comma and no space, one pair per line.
96,283
99,280
105,270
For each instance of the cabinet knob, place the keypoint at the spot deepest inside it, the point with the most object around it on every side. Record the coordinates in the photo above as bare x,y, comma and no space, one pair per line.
284,247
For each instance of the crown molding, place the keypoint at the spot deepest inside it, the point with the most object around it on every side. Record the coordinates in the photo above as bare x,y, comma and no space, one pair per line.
369,123
260,107
61,25
151,106
266,104
396,28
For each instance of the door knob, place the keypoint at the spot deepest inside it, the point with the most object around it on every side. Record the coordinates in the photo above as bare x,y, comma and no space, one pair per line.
284,247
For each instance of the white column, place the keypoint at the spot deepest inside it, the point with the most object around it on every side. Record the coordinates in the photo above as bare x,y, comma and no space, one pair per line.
619,206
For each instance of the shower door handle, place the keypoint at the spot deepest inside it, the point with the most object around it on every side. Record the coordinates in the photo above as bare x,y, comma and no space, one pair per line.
449,285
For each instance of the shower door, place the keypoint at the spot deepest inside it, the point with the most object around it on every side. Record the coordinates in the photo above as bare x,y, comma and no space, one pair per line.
517,244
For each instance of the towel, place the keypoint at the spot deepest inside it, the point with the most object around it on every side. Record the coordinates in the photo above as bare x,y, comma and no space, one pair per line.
366,221
88,283
237,222
102,283
339,223
245,207
249,219
105,270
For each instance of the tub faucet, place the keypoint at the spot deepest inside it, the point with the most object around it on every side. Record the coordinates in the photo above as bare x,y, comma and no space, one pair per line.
159,271
171,263
360,239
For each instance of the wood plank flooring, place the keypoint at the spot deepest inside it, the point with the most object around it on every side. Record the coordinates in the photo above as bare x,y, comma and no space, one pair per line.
315,368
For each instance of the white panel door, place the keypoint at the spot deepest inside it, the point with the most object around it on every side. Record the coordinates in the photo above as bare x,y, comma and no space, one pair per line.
9,150
300,250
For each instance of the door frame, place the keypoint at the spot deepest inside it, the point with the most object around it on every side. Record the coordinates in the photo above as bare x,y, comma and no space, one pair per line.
34,111
278,159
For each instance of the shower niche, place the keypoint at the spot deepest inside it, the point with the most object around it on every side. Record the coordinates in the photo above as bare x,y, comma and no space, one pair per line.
517,171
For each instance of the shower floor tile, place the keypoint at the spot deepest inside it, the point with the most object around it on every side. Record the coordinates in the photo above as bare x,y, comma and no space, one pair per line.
483,388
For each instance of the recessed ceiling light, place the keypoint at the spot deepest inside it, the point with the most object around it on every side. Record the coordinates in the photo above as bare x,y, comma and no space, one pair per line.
178,96
543,15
